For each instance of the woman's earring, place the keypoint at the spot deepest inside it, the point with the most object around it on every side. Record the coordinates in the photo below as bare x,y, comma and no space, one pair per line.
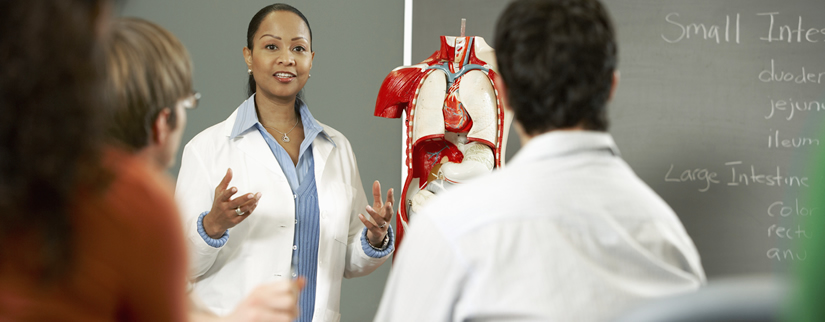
310,75
249,71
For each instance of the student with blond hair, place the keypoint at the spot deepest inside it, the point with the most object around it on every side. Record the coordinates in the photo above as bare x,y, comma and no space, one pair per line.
149,77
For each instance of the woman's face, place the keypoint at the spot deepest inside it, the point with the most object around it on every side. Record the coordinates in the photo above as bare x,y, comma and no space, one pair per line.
281,56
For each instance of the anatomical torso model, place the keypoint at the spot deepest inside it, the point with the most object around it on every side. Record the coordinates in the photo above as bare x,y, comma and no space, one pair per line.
456,127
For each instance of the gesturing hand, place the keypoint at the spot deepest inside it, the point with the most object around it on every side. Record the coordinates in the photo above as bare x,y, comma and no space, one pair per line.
227,213
381,213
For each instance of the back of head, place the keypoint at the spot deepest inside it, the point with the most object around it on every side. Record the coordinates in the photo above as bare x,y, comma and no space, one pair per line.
147,69
50,125
557,58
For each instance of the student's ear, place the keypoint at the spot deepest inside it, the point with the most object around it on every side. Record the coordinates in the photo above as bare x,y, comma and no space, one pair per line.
614,84
160,127
501,90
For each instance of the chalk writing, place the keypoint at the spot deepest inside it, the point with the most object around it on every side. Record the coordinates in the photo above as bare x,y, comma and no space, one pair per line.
700,30
786,32
790,105
789,233
693,175
779,208
757,178
782,76
750,176
782,71
779,255
774,141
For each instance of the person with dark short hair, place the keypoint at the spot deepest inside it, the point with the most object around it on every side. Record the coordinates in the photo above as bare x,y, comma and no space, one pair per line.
567,231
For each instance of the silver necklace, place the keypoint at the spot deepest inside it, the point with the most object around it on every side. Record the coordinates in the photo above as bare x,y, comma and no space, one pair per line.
285,138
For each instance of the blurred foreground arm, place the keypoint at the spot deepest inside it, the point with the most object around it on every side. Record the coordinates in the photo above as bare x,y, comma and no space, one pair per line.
272,302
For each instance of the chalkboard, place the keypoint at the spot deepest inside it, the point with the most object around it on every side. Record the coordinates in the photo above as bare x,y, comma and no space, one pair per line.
718,109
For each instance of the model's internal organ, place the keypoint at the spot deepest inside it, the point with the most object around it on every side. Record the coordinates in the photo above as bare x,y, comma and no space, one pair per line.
456,127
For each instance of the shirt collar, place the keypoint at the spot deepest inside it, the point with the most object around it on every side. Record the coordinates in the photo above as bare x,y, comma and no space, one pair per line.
559,143
247,118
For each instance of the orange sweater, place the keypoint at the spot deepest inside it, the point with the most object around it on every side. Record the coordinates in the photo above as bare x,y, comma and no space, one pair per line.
130,261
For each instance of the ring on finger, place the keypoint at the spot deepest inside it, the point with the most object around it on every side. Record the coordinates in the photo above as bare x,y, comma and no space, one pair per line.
383,225
239,212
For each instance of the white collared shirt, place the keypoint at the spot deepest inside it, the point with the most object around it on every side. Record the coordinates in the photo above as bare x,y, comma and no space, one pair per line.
566,232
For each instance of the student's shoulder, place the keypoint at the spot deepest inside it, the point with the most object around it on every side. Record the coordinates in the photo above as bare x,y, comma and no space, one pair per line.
477,202
137,192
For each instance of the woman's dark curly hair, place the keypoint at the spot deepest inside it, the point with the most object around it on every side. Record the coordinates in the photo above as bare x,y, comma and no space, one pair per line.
50,130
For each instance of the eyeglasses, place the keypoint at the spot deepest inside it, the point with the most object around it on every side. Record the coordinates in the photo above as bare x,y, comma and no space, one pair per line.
191,102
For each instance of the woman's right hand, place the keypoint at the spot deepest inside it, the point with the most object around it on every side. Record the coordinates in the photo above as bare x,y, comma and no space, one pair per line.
223,214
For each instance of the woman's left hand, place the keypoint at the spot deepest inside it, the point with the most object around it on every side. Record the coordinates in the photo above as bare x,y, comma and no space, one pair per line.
381,213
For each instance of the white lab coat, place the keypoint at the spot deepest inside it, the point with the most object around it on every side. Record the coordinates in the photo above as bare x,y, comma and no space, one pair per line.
259,249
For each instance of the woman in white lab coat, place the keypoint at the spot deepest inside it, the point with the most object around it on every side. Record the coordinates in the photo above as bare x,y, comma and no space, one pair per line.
272,193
